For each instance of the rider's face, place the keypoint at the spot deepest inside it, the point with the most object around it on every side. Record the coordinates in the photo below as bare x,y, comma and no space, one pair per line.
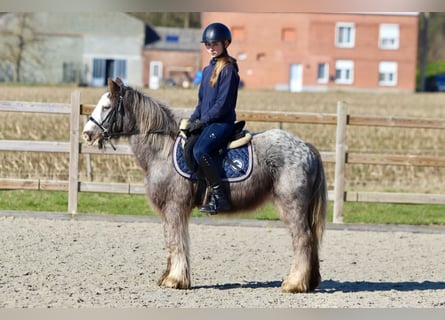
214,49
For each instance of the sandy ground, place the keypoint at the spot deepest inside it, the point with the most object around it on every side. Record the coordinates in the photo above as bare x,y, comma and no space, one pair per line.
52,260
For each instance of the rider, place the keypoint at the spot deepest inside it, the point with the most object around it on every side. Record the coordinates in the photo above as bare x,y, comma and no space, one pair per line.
214,115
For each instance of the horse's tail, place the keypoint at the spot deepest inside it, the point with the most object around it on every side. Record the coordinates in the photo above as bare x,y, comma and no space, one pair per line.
318,205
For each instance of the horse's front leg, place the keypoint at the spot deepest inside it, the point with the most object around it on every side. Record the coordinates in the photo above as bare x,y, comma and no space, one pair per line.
177,239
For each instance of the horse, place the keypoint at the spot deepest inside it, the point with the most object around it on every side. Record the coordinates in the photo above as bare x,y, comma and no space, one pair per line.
286,170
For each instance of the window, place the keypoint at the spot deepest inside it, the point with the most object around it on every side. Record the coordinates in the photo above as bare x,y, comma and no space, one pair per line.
344,71
322,73
238,33
120,69
108,68
69,72
345,35
389,36
99,77
288,35
388,73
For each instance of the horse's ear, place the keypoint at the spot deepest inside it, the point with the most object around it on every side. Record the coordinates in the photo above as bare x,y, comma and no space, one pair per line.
113,87
119,81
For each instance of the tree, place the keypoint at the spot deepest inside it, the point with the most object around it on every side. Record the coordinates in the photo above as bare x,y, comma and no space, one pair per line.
436,36
170,19
18,38
423,47
431,46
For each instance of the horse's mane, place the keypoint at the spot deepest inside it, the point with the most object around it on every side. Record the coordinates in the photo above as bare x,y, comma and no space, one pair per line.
154,119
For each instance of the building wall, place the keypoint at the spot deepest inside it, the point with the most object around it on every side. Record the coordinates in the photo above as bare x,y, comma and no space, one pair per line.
76,39
111,35
53,59
178,50
265,57
175,64
116,47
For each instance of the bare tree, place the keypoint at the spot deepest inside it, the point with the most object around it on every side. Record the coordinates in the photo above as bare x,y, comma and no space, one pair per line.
436,36
170,19
18,39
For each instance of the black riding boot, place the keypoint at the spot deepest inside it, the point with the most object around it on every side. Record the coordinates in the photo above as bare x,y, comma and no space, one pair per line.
219,201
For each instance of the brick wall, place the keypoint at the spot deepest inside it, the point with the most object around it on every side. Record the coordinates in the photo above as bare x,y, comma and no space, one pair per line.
267,44
174,64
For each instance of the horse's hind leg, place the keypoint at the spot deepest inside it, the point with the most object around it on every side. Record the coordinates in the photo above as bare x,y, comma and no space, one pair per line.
176,235
304,275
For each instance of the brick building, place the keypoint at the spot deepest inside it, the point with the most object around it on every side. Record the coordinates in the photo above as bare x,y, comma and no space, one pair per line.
173,59
322,51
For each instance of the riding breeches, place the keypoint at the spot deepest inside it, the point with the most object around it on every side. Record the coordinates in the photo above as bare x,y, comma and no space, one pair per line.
212,139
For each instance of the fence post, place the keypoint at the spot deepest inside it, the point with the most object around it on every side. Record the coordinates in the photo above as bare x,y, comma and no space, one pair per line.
73,183
340,162
88,166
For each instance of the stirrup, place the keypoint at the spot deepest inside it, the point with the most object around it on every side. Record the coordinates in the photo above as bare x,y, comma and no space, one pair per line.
209,208
213,206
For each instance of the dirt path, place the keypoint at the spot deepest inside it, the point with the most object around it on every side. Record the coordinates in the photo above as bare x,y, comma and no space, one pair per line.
115,262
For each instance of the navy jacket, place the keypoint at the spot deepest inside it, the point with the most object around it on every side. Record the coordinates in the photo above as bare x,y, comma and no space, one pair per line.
217,104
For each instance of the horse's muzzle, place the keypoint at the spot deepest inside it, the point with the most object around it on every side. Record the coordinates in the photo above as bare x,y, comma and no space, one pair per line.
93,138
86,136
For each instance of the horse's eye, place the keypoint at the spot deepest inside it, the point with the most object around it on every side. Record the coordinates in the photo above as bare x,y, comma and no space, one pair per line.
106,107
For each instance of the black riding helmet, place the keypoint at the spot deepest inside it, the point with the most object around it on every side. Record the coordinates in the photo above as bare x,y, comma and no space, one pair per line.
216,32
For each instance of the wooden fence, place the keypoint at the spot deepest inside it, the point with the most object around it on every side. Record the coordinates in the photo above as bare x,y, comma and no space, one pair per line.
340,156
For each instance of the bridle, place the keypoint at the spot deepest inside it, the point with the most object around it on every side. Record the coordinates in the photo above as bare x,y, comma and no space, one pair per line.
111,118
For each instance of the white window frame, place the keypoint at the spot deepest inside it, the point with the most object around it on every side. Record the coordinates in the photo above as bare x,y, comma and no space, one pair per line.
98,74
324,76
345,34
388,73
344,72
389,35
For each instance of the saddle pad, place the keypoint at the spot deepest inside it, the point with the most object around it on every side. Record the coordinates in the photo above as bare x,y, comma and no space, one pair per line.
236,164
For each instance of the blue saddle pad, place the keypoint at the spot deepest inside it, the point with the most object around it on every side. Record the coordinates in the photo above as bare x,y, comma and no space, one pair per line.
235,164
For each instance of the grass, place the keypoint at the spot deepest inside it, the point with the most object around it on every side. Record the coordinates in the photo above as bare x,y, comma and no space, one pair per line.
435,67
117,204
431,69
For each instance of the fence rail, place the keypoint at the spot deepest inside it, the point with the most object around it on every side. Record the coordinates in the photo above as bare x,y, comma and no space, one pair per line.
340,156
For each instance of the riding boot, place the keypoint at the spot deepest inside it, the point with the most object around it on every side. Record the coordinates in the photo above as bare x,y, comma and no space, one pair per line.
219,201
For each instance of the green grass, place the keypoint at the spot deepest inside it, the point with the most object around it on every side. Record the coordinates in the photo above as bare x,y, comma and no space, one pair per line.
118,204
384,213
431,69
435,67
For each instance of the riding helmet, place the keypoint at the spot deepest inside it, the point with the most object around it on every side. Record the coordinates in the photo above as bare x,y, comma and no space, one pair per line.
216,32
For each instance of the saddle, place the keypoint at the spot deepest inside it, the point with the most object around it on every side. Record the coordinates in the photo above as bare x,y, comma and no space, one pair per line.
235,161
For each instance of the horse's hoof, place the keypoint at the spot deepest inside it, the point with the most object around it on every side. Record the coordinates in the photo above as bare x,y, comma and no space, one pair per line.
289,287
174,283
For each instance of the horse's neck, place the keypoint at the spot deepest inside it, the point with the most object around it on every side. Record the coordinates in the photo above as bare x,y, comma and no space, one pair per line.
146,152
151,145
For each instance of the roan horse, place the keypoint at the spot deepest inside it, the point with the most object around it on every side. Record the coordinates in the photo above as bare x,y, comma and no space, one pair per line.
287,170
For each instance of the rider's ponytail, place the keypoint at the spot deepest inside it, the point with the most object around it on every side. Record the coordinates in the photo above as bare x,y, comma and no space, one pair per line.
221,62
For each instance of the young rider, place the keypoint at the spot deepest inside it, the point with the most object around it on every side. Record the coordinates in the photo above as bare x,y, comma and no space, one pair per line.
214,115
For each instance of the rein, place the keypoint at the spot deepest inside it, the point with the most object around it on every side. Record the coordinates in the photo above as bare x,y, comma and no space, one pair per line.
108,135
